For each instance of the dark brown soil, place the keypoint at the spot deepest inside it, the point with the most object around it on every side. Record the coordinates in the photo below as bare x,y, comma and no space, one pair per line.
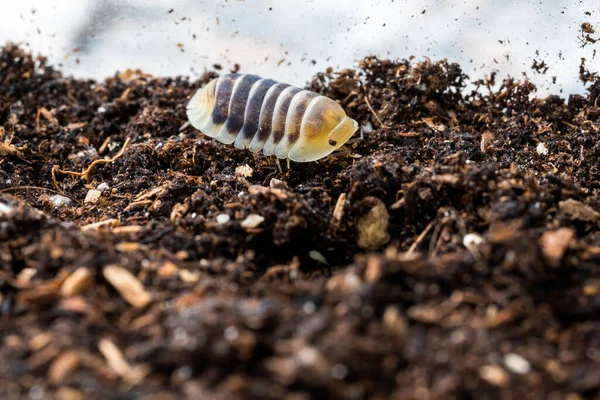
489,285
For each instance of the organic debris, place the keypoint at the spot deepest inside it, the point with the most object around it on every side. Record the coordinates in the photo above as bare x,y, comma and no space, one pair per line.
454,254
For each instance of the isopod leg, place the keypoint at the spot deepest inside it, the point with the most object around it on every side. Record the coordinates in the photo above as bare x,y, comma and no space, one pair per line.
358,139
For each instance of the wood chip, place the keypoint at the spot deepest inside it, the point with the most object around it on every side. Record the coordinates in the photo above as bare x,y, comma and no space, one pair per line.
189,276
63,366
43,357
373,226
73,304
338,212
486,141
148,194
67,393
48,116
245,171
44,292
97,226
275,183
127,229
591,289
79,280
497,318
92,196
446,178
394,322
424,313
252,221
373,271
168,269
494,375
128,247
117,362
76,125
40,341
554,244
128,286
578,210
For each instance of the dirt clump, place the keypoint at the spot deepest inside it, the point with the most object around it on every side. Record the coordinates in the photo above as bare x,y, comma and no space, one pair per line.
141,260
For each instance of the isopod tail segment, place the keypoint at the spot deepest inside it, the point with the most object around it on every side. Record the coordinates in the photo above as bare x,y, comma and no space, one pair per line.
261,114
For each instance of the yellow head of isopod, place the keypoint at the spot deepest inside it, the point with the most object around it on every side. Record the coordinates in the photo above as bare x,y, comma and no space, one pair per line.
325,128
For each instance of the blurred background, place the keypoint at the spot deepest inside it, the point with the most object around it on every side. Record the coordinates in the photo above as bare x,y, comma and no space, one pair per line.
292,40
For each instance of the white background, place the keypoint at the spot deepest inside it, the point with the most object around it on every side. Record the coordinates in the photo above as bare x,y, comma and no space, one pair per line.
482,35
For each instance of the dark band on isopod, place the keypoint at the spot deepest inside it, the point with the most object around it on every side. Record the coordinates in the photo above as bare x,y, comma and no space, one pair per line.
266,115
254,106
278,128
298,113
223,90
239,99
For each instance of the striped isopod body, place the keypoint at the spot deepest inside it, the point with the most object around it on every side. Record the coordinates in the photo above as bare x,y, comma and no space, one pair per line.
277,118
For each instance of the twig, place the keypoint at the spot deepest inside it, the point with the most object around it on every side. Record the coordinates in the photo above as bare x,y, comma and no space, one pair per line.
9,189
506,91
366,96
419,239
85,174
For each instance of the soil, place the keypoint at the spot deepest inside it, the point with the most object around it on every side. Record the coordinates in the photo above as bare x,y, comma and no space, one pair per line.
452,252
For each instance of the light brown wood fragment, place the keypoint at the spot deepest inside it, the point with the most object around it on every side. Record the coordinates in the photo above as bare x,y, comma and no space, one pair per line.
92,196
555,243
76,282
373,226
63,366
128,286
127,229
67,393
117,362
40,341
127,247
338,211
96,226
494,375
486,141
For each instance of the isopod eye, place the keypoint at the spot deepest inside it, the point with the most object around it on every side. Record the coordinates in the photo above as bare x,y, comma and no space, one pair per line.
332,142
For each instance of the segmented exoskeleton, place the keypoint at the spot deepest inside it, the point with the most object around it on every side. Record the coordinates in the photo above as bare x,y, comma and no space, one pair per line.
277,118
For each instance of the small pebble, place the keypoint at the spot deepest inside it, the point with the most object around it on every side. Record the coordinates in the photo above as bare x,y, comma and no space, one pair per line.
339,371
472,240
275,183
252,221
231,333
517,364
223,219
5,208
36,392
541,149
315,255
244,171
307,355
92,196
309,307
58,200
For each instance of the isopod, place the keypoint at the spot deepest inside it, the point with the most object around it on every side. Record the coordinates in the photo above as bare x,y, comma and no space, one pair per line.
277,118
